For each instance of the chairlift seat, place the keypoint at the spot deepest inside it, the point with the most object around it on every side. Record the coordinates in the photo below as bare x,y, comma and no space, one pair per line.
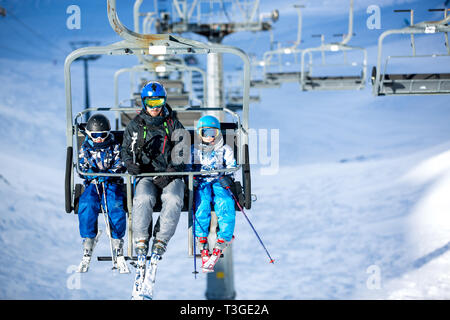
172,84
264,84
414,83
312,83
118,135
283,76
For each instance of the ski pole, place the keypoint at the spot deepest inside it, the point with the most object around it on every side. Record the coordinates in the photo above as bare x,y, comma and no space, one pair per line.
193,232
133,144
108,227
195,247
251,225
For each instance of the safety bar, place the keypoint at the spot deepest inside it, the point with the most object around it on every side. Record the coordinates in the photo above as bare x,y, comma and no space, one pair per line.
152,67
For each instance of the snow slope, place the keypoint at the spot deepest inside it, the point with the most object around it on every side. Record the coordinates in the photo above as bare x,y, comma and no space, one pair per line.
362,183
325,219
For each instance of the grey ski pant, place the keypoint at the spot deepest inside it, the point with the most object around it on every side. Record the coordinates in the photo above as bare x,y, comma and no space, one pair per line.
143,202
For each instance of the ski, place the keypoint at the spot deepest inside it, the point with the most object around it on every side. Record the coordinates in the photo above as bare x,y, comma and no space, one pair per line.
150,277
208,266
86,260
122,264
139,278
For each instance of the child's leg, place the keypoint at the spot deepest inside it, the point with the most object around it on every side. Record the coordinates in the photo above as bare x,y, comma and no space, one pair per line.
202,209
88,209
117,216
225,211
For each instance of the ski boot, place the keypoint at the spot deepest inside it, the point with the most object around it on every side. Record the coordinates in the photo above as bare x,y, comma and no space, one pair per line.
158,248
208,266
88,247
204,250
118,256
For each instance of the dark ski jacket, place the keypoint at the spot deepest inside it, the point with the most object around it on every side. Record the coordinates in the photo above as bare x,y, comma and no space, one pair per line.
154,145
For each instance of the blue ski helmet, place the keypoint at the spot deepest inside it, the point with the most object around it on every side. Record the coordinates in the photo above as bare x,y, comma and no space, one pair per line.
153,89
208,122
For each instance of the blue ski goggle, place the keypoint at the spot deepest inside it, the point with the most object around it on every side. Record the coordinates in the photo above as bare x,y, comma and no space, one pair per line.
98,134
208,132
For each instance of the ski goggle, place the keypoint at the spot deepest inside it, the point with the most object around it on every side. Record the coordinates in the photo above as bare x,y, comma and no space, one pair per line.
208,132
98,134
154,102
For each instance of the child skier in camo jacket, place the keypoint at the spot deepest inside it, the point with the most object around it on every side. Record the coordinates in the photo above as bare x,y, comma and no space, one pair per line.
212,154
101,153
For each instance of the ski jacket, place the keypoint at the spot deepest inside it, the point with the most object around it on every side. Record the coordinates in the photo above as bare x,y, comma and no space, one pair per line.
101,157
150,138
212,157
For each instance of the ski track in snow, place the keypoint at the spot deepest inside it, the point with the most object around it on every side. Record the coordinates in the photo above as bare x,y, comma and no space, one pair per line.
353,190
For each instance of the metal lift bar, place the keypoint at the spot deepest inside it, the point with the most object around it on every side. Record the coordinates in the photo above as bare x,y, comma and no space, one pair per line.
152,67
288,50
380,80
307,82
151,44
277,78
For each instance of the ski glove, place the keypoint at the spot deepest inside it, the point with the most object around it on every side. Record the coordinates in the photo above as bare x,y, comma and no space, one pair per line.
225,182
133,168
163,181
101,179
195,182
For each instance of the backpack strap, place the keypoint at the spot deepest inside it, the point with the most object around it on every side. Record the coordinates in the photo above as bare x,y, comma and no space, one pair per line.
141,135
168,127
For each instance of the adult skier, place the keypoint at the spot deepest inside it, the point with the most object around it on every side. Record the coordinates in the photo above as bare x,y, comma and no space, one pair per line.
100,153
147,147
212,154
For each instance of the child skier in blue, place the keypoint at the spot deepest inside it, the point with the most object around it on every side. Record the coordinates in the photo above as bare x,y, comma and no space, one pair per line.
212,154
101,153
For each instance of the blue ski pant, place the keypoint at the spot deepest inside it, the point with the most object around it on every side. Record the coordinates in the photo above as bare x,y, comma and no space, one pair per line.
208,192
89,209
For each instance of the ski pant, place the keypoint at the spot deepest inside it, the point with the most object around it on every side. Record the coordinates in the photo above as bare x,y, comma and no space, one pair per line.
172,198
89,209
223,206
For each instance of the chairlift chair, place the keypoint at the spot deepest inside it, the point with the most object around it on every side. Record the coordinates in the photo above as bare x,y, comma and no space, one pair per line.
274,59
148,44
412,83
310,82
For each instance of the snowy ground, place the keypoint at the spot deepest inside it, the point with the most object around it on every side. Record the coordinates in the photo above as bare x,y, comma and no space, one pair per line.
362,187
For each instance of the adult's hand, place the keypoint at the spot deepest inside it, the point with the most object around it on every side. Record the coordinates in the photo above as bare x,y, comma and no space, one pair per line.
133,168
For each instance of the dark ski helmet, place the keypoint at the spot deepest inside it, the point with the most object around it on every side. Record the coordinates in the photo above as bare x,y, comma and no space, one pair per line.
153,95
98,123
98,128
